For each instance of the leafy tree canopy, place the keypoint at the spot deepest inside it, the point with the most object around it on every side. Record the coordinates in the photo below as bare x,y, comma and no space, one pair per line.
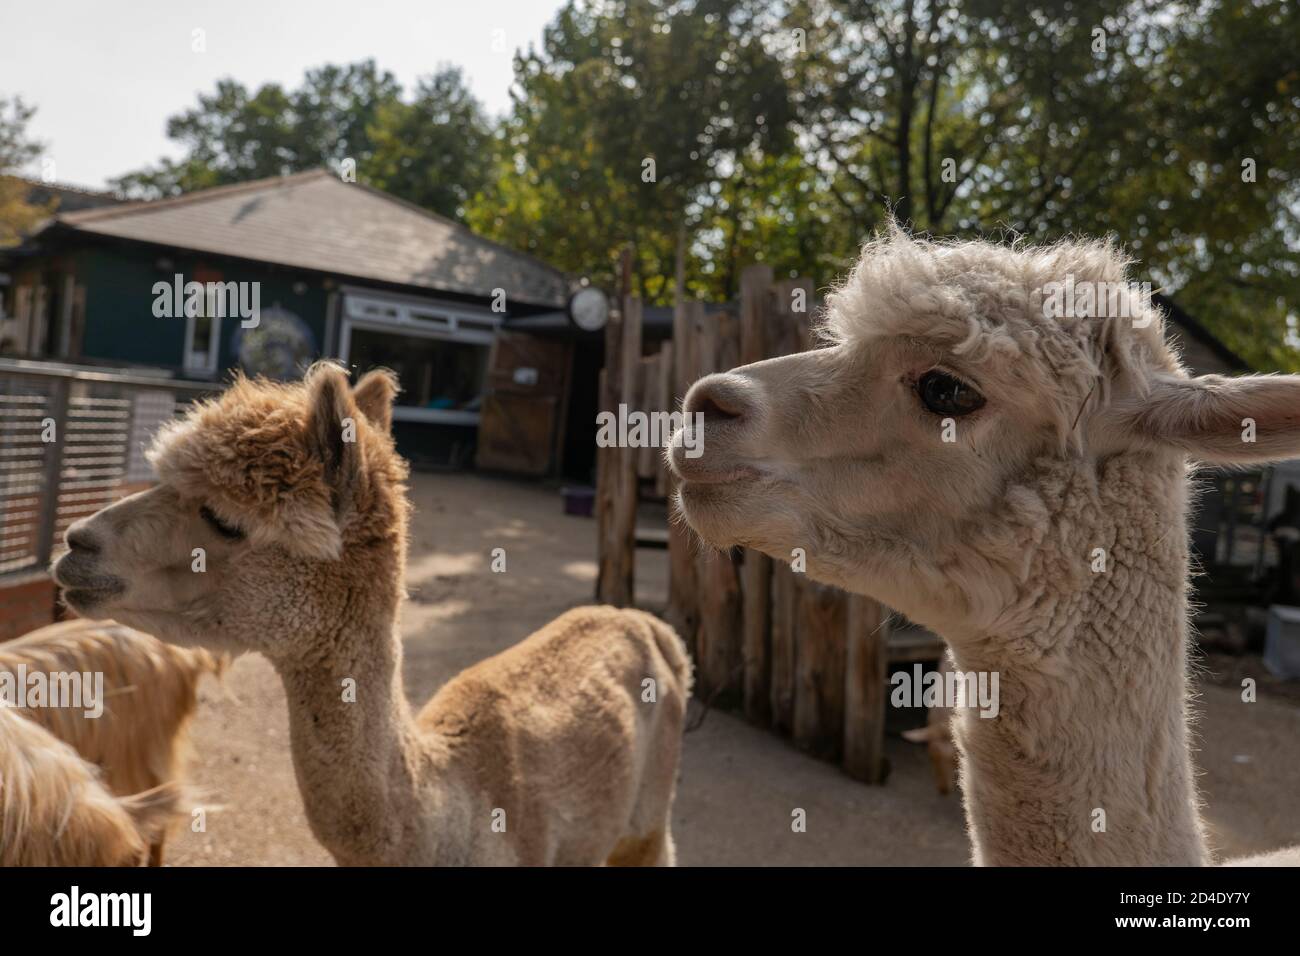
430,150
1173,126
18,215
785,131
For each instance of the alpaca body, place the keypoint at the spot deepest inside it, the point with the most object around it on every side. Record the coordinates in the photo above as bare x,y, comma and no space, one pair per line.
1287,857
55,811
558,723
151,692
504,765
546,753
141,740
937,735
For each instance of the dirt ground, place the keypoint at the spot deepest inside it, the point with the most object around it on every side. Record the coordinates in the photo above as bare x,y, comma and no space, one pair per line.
738,784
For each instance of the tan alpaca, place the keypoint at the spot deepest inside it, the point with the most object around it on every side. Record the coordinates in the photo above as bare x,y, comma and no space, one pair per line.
55,811
141,739
1017,480
561,750
937,737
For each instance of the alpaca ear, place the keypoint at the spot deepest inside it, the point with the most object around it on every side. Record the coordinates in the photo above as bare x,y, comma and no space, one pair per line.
1218,420
374,395
332,430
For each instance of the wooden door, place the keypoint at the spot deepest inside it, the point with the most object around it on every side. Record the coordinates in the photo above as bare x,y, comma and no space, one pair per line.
523,404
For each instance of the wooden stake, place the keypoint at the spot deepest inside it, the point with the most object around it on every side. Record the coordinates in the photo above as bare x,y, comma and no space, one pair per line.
866,690
819,669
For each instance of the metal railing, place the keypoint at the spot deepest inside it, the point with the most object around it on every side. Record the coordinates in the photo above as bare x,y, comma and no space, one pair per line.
72,440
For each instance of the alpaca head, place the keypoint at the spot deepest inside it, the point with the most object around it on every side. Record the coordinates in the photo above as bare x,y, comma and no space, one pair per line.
908,458
279,516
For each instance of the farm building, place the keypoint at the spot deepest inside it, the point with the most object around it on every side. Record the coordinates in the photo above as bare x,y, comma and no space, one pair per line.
497,372
332,268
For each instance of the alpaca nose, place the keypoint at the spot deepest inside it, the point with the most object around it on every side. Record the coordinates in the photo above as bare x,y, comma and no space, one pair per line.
720,398
79,538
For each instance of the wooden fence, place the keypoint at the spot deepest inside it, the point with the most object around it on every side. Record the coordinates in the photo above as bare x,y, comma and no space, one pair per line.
807,660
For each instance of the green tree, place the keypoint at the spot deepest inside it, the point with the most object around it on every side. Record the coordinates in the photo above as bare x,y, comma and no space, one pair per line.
430,151
626,120
1175,128
233,135
435,151
1089,116
17,214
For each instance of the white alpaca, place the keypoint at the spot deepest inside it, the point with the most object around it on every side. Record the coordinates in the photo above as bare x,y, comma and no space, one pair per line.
1017,480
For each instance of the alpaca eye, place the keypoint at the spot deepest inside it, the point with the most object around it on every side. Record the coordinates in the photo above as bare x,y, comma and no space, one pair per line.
945,394
220,527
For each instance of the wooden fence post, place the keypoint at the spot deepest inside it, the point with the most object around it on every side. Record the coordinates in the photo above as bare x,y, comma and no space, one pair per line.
718,596
790,323
819,668
756,569
647,377
810,659
683,586
663,402
865,690
616,485
785,609
785,330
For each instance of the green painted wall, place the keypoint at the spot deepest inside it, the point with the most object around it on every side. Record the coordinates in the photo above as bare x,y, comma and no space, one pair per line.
120,324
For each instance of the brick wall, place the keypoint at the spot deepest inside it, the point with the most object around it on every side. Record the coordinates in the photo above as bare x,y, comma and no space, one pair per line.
27,601
30,600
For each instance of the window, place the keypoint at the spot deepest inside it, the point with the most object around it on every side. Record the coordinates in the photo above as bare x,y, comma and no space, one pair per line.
202,342
436,374
439,351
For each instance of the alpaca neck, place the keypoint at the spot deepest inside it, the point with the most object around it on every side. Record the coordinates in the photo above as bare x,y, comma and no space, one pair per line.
1087,761
359,758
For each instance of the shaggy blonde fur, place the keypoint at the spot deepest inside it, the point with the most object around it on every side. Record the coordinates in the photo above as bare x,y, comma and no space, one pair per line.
55,811
141,740
561,750
1044,534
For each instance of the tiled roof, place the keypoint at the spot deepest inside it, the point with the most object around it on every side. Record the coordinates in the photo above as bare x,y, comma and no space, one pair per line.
316,221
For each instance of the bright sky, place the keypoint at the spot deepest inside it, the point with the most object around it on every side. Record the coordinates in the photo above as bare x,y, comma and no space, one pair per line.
106,74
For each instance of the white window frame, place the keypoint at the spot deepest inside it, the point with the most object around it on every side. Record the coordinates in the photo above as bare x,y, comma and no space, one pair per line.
424,318
209,367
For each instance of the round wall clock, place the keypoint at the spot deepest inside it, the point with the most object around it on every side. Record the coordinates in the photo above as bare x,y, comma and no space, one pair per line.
589,309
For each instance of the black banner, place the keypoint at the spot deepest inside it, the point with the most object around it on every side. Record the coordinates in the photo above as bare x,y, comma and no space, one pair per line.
133,907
